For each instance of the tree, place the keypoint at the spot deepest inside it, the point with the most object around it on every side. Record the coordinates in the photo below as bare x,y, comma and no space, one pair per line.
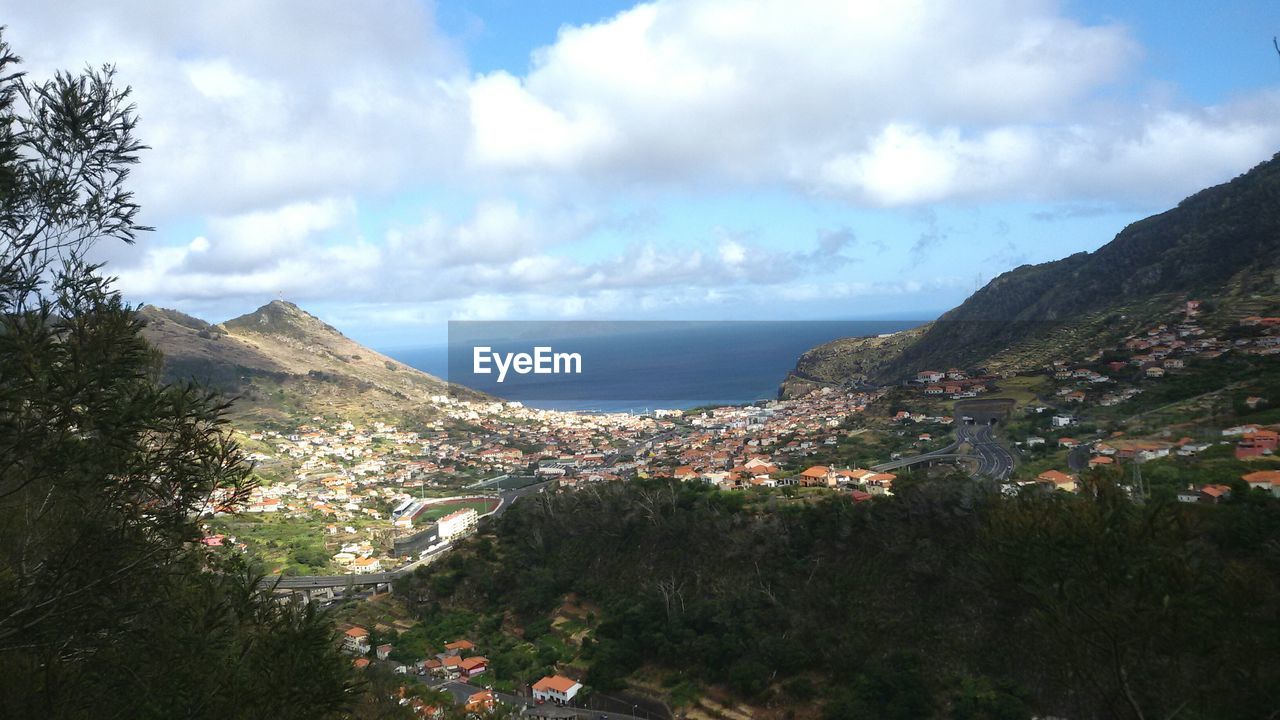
108,608
1139,612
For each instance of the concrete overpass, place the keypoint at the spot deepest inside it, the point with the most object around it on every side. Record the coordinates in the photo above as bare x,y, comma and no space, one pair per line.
298,583
928,459
990,458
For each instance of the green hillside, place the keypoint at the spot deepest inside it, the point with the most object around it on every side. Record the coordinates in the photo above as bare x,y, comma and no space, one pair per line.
1221,245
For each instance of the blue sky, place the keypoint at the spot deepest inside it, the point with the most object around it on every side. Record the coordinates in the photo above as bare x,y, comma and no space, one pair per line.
395,165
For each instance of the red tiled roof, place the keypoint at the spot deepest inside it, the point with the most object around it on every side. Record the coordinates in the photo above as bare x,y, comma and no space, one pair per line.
558,683
1263,476
1056,477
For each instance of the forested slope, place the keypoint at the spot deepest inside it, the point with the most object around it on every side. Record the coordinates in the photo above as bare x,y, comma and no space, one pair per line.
940,602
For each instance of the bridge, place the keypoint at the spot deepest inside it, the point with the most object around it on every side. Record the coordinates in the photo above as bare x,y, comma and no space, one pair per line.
927,459
989,457
305,584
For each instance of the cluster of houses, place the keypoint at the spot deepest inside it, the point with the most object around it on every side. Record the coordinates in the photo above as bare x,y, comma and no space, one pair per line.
759,471
460,659
741,447
1158,351
350,475
1151,354
953,383
863,484
342,471
353,476
552,689
1254,441
367,480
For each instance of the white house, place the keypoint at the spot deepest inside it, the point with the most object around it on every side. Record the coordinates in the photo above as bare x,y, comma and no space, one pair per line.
556,688
356,641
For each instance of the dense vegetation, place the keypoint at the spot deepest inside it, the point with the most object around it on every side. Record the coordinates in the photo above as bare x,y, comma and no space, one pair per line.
108,608
943,601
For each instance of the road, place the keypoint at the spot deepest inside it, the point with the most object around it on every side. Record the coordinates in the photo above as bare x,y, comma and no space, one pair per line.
507,498
943,453
612,458
312,582
994,459
991,458
461,691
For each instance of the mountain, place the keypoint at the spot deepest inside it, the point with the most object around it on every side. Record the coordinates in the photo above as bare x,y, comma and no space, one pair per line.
280,360
847,361
1221,244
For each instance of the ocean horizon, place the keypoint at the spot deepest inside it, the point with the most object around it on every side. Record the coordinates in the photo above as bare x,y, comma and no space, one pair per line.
640,367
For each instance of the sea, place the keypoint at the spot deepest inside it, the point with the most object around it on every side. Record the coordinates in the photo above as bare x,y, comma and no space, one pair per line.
638,366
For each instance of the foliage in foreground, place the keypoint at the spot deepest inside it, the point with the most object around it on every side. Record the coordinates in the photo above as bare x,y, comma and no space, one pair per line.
108,608
943,601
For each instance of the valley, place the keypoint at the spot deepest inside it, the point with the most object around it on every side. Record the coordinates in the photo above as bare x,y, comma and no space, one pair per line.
666,360
473,517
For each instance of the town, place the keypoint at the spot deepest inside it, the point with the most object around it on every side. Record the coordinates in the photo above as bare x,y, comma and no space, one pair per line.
340,500
361,495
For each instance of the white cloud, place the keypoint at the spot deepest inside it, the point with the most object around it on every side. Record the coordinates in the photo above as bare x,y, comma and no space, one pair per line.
878,104
755,89
255,239
1151,158
257,105
250,105
304,252
732,253
282,131
539,135
497,230
258,254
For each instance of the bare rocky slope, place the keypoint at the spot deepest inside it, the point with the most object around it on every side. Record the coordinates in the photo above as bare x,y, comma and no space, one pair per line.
280,361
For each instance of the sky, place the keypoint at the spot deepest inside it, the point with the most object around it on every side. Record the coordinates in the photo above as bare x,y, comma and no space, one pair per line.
390,166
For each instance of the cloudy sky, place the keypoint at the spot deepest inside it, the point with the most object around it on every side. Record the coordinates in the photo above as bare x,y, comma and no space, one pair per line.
392,165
